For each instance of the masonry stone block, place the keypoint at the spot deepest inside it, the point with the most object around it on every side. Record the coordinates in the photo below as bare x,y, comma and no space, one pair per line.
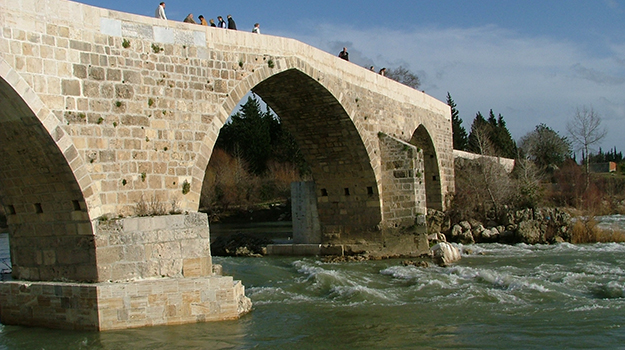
70,87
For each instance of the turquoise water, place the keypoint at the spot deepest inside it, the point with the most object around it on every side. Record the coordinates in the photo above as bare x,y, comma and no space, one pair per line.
514,297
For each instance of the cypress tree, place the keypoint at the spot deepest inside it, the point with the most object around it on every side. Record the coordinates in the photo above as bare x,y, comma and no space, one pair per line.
459,133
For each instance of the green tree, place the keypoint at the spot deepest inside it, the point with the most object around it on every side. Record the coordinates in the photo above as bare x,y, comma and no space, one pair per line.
545,147
493,131
479,134
502,138
257,136
460,136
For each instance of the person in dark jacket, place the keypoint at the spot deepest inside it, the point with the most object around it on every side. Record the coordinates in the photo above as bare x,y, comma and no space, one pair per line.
220,22
231,24
344,54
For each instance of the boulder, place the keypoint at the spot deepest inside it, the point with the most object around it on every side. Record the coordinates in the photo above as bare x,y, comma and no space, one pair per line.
435,220
466,237
444,254
529,232
456,231
466,226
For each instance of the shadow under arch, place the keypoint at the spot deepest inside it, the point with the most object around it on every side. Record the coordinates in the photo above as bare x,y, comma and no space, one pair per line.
348,202
49,228
422,139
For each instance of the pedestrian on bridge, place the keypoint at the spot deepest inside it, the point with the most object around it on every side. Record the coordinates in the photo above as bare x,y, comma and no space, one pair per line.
344,54
189,19
256,28
231,24
160,11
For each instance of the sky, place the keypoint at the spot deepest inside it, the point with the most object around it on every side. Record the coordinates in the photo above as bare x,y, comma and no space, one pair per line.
532,61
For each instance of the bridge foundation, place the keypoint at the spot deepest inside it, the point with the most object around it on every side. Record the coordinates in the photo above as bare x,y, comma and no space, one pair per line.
154,270
119,305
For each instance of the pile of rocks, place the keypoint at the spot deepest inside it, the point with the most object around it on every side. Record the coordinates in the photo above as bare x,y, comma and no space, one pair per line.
531,226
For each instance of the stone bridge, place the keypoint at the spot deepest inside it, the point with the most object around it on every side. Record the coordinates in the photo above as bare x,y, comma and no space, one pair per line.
106,116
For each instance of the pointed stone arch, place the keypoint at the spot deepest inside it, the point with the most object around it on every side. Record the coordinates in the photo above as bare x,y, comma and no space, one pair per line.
346,186
51,237
422,139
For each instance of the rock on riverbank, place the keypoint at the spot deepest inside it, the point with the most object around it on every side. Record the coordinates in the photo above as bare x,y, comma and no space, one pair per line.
531,226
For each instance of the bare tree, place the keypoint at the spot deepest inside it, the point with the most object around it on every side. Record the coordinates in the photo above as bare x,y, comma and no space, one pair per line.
404,76
586,131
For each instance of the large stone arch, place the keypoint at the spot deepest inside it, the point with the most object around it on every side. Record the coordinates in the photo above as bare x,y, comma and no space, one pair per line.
421,138
346,185
50,234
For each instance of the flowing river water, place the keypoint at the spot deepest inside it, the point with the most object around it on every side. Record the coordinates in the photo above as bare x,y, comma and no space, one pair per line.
559,296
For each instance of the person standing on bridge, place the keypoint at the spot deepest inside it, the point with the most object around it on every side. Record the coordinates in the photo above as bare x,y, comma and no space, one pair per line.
220,22
231,24
202,20
212,22
160,11
189,19
344,54
256,28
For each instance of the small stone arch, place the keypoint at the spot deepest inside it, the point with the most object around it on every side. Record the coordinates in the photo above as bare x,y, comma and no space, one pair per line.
421,139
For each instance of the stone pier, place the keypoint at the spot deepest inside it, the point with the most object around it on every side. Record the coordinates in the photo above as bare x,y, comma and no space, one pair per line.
150,271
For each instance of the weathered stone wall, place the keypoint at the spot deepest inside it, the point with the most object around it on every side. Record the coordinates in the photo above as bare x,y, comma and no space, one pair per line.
507,163
135,105
404,188
305,218
108,306
156,246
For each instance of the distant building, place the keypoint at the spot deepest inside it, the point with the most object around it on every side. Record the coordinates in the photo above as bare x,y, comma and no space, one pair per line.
607,167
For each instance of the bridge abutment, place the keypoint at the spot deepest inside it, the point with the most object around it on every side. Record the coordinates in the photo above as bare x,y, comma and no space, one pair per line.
154,270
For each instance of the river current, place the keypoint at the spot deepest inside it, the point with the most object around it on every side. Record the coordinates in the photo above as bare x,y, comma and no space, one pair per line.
515,297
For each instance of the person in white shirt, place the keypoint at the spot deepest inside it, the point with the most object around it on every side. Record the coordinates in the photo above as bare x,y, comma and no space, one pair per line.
160,11
256,28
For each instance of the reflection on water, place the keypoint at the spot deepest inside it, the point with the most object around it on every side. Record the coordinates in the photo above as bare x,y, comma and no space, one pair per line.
277,231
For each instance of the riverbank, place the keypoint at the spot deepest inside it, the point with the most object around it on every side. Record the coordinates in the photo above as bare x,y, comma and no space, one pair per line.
529,226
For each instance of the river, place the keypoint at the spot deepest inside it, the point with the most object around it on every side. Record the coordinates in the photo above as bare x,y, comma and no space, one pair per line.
515,297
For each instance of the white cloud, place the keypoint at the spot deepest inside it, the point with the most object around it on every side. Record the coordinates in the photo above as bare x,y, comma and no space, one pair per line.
530,80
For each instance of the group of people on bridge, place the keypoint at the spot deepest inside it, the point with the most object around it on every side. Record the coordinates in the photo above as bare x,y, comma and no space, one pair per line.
345,55
221,23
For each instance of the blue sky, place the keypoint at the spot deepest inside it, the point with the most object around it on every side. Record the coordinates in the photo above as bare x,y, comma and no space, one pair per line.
532,61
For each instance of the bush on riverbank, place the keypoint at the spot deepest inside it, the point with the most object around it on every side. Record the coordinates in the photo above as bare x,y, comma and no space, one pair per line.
493,206
585,230
229,186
